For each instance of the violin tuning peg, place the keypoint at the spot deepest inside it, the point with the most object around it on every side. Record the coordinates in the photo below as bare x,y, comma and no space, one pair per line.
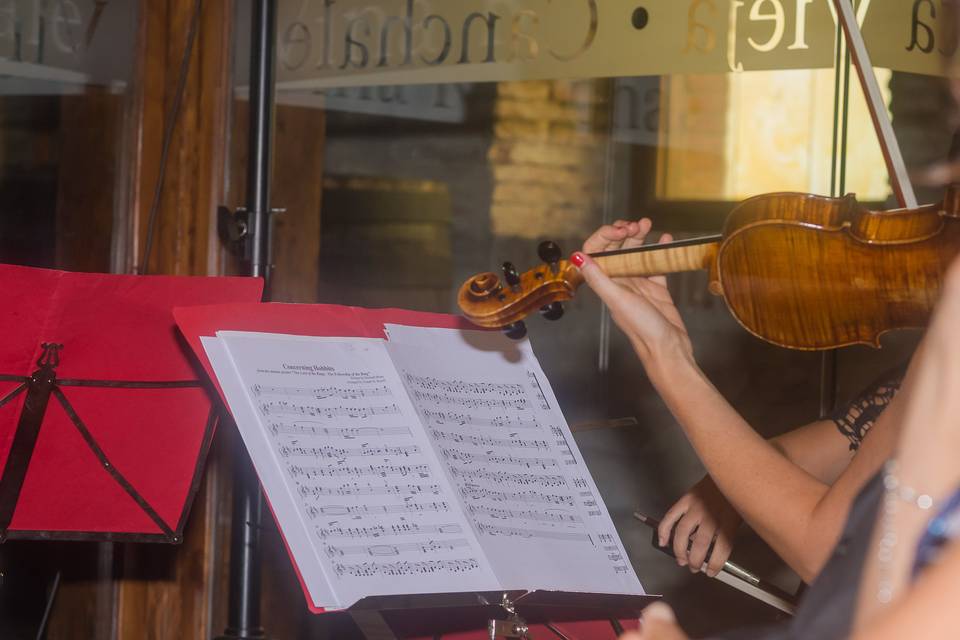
511,275
553,311
516,331
550,253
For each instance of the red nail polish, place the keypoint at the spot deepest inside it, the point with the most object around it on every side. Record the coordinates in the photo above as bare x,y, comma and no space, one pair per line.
578,259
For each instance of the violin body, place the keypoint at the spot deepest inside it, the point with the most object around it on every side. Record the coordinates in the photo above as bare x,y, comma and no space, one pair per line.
797,270
809,272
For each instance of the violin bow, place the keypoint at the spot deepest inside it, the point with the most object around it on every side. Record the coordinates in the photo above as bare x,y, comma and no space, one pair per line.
899,179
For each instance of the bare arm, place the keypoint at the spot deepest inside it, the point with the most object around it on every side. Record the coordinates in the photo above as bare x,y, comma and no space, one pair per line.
761,487
818,448
703,523
926,463
929,610
803,534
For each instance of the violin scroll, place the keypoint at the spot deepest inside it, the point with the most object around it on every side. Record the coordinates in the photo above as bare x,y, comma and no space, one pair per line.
490,301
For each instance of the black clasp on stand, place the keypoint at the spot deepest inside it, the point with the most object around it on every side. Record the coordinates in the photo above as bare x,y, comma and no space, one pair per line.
233,228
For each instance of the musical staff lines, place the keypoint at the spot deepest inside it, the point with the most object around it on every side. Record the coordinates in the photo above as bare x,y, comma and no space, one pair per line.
379,531
321,393
474,492
525,514
285,408
485,458
372,569
340,453
347,433
425,464
381,470
356,489
431,383
334,510
516,532
472,403
500,477
386,550
464,419
485,441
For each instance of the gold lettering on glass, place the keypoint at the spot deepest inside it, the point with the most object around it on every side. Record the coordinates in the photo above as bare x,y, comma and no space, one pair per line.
708,42
591,35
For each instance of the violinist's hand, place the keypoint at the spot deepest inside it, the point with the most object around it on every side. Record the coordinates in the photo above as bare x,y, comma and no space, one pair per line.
657,623
702,517
641,307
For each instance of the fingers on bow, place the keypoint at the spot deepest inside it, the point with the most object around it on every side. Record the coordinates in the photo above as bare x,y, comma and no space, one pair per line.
620,234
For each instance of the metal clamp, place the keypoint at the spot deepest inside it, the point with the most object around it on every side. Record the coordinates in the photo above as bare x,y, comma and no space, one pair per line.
233,226
513,628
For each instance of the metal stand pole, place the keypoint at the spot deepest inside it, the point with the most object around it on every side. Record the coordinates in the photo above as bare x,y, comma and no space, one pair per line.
243,617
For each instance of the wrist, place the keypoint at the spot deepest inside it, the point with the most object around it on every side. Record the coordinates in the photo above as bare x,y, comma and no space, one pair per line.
676,378
667,364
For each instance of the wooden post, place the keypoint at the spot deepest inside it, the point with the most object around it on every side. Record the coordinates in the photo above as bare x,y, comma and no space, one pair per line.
161,592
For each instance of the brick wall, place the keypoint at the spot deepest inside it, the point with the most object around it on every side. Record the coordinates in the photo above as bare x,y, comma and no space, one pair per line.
547,157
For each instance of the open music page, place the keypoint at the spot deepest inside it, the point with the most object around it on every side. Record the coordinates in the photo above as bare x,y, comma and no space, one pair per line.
353,481
433,463
505,445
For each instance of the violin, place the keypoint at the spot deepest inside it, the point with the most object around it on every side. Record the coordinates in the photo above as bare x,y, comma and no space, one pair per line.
797,270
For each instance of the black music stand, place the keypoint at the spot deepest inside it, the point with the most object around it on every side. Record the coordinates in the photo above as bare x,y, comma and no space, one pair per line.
505,615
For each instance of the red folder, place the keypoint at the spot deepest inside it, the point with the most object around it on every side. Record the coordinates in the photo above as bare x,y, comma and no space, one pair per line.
338,321
104,419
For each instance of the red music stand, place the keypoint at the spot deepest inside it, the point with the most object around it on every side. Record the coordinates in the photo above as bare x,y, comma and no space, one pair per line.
104,420
460,615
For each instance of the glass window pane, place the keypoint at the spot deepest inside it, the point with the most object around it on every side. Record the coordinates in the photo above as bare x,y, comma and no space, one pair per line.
66,69
449,139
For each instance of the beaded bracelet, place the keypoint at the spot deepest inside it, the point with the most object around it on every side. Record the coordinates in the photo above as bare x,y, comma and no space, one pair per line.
894,492
891,483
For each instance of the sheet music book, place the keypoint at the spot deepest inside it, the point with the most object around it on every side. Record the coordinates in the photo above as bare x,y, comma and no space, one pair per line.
435,461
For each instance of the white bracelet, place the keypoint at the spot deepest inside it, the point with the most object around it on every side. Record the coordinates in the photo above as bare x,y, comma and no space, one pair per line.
907,494
894,492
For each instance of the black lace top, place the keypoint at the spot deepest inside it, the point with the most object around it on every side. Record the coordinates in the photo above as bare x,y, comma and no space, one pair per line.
855,419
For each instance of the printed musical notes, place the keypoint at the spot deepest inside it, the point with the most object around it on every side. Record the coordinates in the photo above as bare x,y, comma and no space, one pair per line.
474,492
320,393
347,433
465,419
287,408
385,550
486,458
355,489
361,469
501,477
525,514
379,531
333,510
519,532
431,383
374,569
400,468
496,429
486,441
299,451
472,403
340,471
